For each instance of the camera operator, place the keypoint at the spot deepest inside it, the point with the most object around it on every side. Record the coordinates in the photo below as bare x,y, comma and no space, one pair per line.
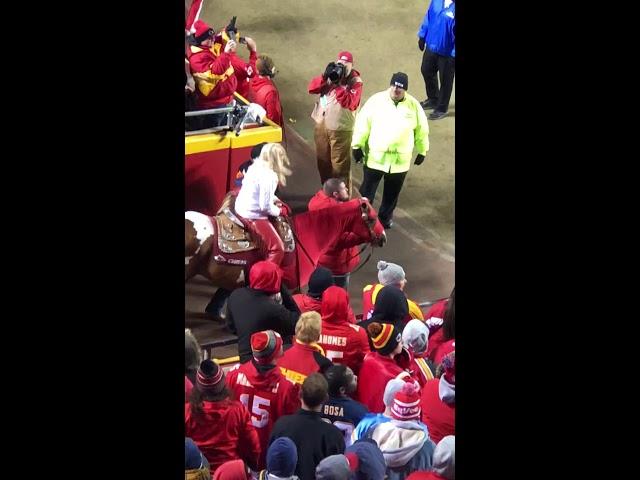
213,74
339,89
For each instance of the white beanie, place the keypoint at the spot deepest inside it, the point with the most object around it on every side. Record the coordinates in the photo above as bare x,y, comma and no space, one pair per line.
416,335
390,273
444,457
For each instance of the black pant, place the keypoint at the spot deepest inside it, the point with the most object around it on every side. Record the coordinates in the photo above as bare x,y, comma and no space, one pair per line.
392,186
432,64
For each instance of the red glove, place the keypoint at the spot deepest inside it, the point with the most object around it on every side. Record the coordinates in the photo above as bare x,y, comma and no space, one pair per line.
285,211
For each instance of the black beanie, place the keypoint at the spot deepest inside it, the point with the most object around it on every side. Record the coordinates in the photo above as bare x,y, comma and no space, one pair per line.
400,79
255,151
320,280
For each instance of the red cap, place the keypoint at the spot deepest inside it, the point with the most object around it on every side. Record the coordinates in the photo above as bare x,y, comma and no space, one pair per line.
200,28
345,57
265,276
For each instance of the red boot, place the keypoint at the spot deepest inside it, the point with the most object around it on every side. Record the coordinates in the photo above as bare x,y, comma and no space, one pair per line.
273,242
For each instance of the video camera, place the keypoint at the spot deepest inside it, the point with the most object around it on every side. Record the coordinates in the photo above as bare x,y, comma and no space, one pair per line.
335,72
232,30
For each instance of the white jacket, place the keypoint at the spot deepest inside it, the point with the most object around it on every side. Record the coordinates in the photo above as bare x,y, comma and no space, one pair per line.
257,196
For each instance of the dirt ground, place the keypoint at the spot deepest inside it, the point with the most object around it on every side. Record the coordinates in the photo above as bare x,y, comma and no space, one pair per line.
302,36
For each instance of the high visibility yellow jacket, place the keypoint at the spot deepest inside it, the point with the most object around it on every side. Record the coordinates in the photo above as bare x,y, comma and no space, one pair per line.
388,133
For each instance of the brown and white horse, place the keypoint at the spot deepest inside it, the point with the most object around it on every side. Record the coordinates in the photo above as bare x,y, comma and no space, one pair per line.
315,231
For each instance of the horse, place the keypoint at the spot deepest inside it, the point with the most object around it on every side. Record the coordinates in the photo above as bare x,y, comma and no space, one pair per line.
314,233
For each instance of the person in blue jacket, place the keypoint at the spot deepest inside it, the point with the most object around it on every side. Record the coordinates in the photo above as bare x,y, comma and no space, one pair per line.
437,39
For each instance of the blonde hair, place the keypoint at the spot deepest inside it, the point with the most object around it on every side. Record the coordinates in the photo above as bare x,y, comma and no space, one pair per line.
308,327
275,156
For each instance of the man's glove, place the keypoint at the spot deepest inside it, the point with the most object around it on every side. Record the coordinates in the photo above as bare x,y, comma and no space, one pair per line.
421,44
358,156
419,159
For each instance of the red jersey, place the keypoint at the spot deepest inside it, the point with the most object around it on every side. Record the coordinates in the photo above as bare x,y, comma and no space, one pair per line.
438,416
420,369
301,360
342,257
223,432
444,348
266,396
188,386
435,316
264,93
214,76
375,372
342,341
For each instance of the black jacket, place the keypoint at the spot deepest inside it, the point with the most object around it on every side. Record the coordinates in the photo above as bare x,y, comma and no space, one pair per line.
315,439
251,311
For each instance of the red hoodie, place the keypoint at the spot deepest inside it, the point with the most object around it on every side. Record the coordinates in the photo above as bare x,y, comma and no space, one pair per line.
342,257
438,416
375,372
223,432
217,88
425,476
266,396
264,93
343,342
309,304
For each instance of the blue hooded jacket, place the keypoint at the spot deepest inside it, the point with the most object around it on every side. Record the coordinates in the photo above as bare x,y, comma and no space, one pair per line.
439,28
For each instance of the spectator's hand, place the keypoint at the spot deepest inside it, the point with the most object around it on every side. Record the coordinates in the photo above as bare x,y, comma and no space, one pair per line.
358,155
251,44
419,159
285,211
230,46
421,44
190,85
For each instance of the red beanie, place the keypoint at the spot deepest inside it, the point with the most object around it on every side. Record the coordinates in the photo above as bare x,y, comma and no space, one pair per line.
265,276
266,346
202,30
406,403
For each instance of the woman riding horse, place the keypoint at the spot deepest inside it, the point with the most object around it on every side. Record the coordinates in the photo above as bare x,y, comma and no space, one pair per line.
257,200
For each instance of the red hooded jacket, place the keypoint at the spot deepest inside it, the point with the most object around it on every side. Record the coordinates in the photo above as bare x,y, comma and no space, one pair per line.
223,432
214,76
438,416
264,93
267,396
343,342
375,372
342,257
309,304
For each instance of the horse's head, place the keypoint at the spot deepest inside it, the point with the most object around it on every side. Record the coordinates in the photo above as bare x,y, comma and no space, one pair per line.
375,229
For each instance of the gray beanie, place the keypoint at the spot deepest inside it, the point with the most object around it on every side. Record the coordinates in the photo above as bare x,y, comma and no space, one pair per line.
334,467
390,273
416,335
444,457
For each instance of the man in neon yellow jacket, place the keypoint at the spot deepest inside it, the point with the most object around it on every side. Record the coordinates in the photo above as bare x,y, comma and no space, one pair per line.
388,128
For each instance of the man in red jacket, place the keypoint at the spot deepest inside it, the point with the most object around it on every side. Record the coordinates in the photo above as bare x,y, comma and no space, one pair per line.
342,257
343,342
334,114
261,387
320,280
213,74
263,90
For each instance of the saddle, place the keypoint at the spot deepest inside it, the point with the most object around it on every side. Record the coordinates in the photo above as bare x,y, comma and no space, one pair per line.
236,234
